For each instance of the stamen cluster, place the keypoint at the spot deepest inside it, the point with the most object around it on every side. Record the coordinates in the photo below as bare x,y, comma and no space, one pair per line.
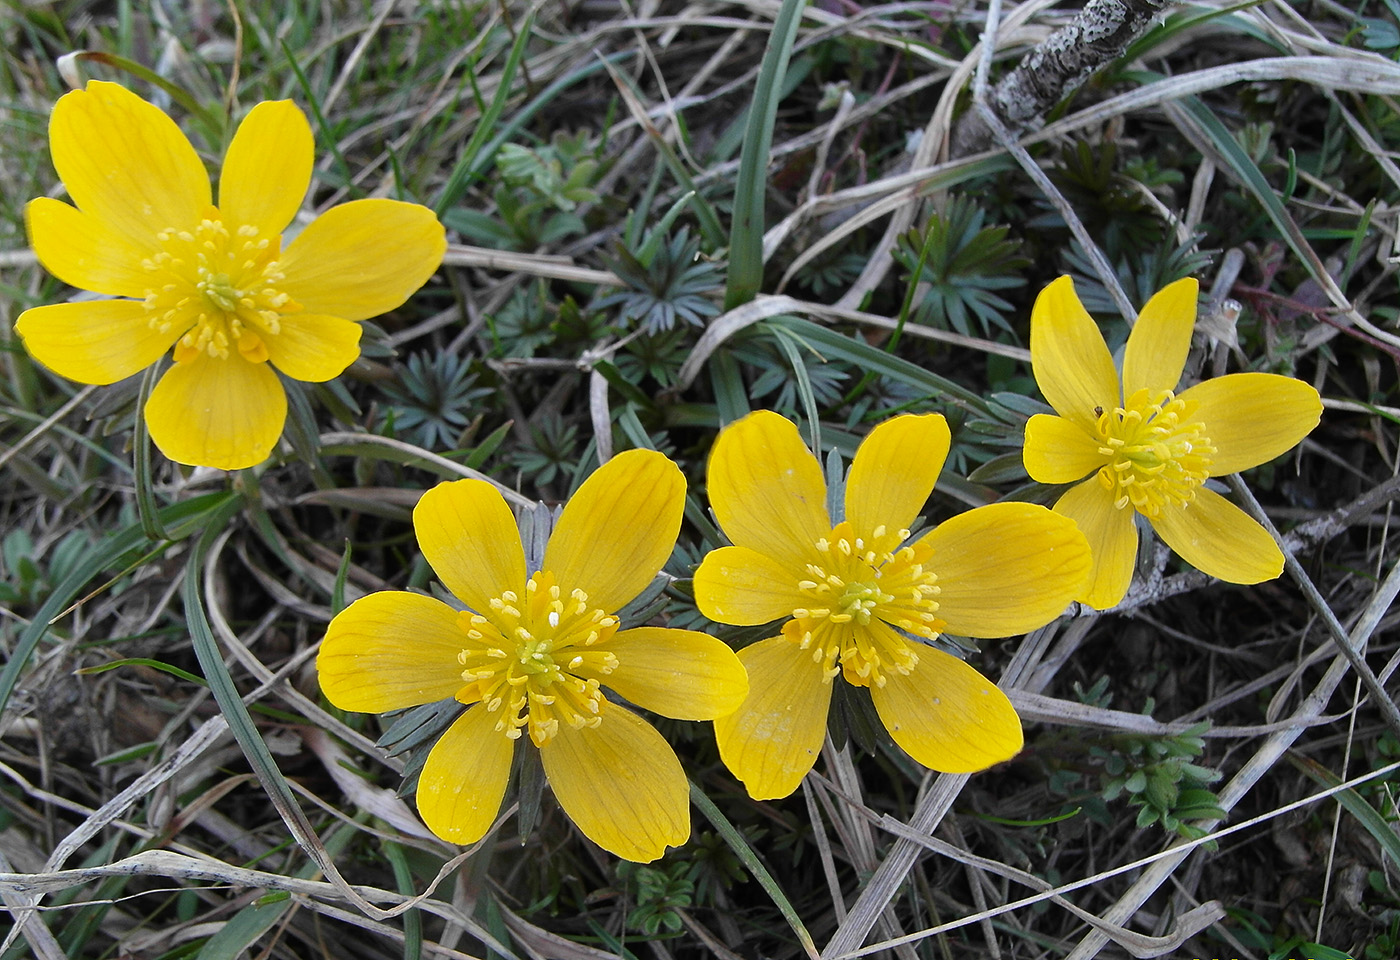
1157,456
534,660
219,286
856,585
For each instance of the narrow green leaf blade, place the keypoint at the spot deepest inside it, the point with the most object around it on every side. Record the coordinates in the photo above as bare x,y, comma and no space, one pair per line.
746,231
179,520
838,346
746,855
472,158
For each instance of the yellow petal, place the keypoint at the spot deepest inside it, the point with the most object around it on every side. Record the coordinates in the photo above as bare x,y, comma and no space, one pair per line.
391,650
618,529
363,258
1251,418
740,586
1219,539
1070,361
469,537
267,168
93,341
1059,450
313,347
682,674
84,252
774,737
766,488
1161,339
948,716
125,163
621,784
1006,568
465,777
894,472
1112,538
210,412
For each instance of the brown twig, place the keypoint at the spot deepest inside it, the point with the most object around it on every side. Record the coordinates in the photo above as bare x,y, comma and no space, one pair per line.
1098,35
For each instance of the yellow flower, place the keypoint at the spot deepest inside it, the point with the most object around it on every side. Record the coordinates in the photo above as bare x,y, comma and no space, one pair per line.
862,597
530,654
212,282
1150,450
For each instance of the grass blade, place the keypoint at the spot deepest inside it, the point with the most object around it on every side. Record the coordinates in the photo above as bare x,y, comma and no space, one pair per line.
710,227
146,506
746,231
745,853
240,722
236,937
1355,804
788,343
731,396
837,346
327,131
467,166
1253,179
181,519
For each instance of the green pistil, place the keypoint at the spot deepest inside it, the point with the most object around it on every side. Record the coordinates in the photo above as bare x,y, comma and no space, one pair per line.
220,292
858,602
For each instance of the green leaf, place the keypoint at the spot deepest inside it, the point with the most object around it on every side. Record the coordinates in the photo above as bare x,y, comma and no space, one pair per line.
1067,815
146,507
746,855
233,939
731,396
788,344
746,230
837,346
342,573
141,662
413,919
1185,21
328,132
1355,804
1249,174
473,158
1006,468
1314,951
179,520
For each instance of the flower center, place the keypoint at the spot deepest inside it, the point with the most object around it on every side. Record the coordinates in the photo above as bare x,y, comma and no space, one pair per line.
1155,458
535,660
221,293
219,288
865,594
